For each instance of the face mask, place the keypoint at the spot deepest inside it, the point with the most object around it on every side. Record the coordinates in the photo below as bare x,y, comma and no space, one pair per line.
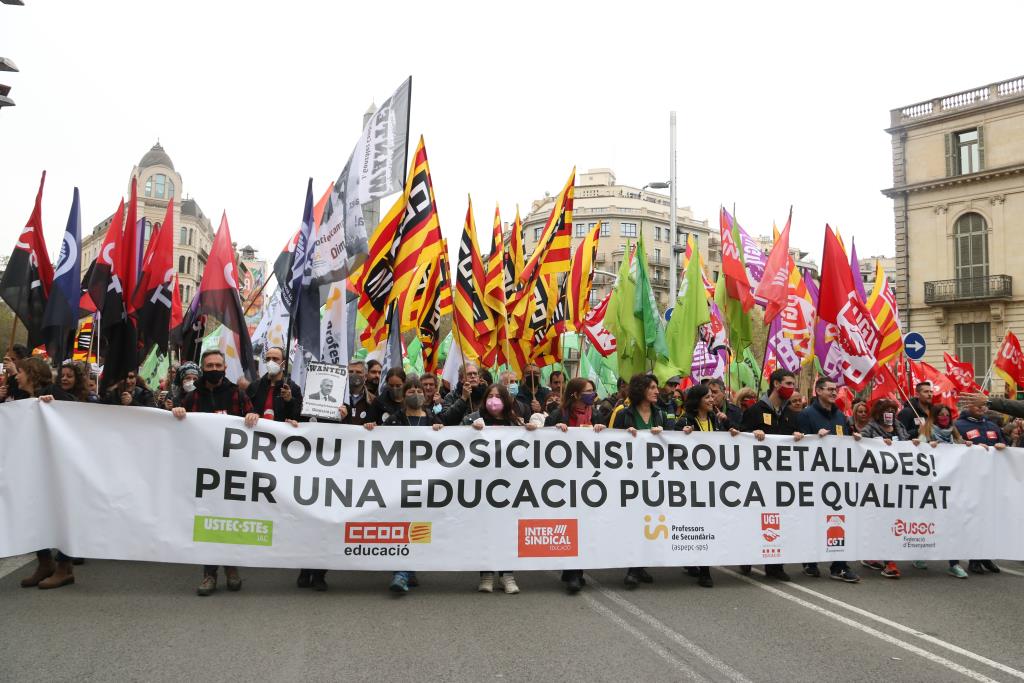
588,398
943,421
189,386
437,409
415,401
887,419
356,383
273,368
748,402
213,376
494,405
786,393
513,389
396,392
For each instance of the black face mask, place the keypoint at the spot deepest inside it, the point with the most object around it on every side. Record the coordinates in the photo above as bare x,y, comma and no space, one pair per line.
213,377
477,393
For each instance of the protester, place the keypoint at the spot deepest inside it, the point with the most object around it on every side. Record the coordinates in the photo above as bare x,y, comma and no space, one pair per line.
185,382
859,417
700,416
719,396
73,380
10,391
577,407
977,429
884,425
1013,433
798,402
671,401
358,406
389,399
412,412
470,388
531,397
642,413
823,417
746,398
1000,405
608,405
35,380
216,394
373,372
917,408
131,391
773,414
274,396
556,386
938,426
499,410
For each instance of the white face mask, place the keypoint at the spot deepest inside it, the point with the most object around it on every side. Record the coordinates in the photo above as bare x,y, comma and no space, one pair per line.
273,368
188,385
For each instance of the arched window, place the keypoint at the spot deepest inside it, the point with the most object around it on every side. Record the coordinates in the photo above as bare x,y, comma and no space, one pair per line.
159,186
971,255
182,264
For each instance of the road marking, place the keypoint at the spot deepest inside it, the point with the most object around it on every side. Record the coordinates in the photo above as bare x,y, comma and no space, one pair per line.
1012,571
9,565
678,664
702,654
906,629
910,647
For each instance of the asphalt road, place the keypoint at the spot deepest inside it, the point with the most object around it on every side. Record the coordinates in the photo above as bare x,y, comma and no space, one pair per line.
139,621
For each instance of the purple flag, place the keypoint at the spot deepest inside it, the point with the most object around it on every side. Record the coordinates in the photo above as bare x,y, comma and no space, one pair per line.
782,346
858,281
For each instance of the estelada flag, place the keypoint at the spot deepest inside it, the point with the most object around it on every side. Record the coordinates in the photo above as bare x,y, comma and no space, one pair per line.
1010,361
28,276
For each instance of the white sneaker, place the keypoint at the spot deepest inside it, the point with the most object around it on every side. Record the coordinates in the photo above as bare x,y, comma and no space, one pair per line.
486,583
508,582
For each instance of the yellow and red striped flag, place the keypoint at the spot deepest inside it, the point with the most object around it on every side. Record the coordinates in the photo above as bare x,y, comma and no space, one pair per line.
513,257
374,278
494,298
438,296
472,323
419,238
881,304
581,278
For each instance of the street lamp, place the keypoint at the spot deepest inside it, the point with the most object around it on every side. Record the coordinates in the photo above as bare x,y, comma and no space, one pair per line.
671,186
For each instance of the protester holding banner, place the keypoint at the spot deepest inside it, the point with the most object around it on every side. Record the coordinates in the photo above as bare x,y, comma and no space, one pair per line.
499,410
35,380
823,417
74,380
723,406
185,381
641,413
274,396
938,426
772,415
131,391
358,404
859,417
389,400
917,408
216,394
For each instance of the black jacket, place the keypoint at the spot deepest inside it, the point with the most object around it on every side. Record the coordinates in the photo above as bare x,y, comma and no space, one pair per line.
762,416
400,419
51,390
908,418
224,398
383,407
283,410
360,409
814,418
141,397
628,417
718,424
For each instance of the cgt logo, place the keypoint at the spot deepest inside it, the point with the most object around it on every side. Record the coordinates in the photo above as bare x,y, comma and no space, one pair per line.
835,531
387,532
548,538
903,528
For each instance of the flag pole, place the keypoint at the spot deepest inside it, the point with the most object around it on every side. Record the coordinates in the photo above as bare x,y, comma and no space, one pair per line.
14,328
256,295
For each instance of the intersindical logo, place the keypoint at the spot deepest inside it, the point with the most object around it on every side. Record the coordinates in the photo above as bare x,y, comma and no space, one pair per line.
548,538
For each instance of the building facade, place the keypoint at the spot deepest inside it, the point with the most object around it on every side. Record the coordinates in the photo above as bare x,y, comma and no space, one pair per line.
158,183
625,213
958,196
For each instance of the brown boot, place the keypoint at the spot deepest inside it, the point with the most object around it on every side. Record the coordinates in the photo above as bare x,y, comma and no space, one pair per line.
61,577
233,579
43,570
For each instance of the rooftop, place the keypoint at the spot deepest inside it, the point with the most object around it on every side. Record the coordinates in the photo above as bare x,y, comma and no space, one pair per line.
156,156
946,106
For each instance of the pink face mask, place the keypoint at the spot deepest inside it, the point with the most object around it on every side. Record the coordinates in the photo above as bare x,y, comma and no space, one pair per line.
494,405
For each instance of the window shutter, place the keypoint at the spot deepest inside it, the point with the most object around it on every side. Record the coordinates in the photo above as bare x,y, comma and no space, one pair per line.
981,148
950,165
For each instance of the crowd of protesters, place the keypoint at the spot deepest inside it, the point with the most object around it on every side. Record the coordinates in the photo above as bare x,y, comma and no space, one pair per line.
388,397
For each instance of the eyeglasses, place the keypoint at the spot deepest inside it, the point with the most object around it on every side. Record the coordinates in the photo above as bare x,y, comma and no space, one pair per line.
472,373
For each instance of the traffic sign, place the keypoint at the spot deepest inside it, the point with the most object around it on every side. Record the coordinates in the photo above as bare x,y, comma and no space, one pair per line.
913,343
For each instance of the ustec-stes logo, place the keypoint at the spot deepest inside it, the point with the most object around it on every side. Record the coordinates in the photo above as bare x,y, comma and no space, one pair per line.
548,538
835,532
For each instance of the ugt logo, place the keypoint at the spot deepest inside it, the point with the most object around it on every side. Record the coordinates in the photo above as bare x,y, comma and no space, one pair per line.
771,526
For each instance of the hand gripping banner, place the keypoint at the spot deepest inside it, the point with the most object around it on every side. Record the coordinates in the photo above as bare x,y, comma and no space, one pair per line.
137,484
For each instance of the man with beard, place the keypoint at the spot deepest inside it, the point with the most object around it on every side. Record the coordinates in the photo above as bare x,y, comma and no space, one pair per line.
723,406
470,390
357,407
532,397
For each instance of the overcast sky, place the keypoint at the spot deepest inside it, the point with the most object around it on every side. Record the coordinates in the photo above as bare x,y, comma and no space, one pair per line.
778,103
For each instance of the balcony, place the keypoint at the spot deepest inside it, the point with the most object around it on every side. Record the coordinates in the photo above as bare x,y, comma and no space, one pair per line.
968,289
968,99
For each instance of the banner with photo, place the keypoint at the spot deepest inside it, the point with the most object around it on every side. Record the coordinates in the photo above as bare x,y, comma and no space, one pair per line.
208,490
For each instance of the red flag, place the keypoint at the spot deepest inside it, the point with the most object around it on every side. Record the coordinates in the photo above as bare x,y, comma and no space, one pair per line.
1010,361
597,333
845,399
127,265
737,283
883,385
854,331
960,373
943,391
774,285
177,315
154,298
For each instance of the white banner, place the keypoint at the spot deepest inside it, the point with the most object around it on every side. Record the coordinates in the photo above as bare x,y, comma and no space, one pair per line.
97,481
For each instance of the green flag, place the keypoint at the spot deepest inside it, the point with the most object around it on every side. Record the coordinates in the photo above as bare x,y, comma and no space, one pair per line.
645,308
413,361
691,311
620,321
736,320
154,368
